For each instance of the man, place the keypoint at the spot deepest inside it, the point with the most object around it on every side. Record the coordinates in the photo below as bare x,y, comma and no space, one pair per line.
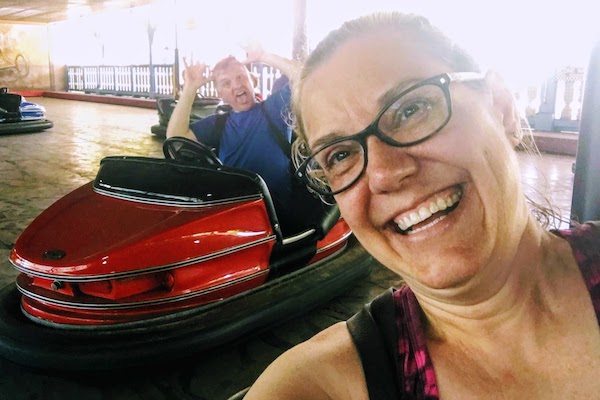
247,139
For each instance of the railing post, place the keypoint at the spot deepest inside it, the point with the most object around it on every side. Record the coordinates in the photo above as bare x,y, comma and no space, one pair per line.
99,81
68,78
83,75
152,81
131,78
115,78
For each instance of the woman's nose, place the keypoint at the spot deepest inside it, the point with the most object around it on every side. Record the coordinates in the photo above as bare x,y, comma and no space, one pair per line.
387,166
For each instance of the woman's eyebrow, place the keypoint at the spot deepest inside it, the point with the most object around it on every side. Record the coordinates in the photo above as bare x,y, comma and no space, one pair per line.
323,140
396,90
382,101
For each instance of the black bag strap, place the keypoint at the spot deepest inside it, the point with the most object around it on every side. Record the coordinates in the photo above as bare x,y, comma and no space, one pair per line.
276,134
373,330
218,130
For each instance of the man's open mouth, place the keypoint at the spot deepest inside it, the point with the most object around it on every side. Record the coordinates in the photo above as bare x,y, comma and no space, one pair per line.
241,96
428,214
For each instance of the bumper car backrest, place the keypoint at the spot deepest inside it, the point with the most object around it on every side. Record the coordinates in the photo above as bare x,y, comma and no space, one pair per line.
172,182
206,101
330,217
10,104
165,106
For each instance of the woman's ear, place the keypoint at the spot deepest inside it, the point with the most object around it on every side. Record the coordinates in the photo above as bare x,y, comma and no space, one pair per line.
504,103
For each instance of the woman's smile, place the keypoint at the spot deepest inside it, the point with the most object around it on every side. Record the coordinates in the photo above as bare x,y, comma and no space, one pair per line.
428,213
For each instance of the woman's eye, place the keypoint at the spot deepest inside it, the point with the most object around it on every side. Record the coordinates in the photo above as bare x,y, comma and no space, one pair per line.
406,112
337,157
340,157
413,110
405,115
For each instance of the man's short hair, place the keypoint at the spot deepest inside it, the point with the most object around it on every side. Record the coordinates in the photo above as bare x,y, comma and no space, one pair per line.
232,61
225,63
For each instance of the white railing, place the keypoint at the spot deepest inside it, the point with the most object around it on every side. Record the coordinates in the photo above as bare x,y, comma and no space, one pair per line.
143,81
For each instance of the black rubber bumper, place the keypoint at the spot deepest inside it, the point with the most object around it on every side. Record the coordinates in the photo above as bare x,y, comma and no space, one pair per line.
179,334
8,128
159,130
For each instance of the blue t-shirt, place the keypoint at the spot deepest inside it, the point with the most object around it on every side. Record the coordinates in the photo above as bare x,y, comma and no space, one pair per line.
247,143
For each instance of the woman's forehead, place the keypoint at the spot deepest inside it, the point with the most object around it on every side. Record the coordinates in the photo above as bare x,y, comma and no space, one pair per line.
377,58
342,93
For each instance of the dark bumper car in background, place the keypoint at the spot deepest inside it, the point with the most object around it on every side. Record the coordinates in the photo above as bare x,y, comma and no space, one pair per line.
202,107
20,116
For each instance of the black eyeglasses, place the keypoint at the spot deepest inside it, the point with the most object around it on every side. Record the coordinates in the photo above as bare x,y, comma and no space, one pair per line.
411,117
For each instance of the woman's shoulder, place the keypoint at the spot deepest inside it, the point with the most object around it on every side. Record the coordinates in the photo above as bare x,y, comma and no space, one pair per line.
326,366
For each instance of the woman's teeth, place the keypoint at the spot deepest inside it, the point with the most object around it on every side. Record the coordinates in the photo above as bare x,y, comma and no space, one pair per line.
416,217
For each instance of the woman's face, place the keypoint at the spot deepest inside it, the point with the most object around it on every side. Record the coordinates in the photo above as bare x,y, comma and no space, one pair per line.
468,165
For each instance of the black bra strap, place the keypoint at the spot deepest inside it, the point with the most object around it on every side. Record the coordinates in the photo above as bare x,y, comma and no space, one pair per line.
373,330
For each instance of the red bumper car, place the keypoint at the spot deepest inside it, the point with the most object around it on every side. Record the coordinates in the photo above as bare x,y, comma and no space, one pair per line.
160,257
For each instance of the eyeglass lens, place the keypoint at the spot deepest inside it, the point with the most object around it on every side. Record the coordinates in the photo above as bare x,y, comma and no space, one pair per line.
408,119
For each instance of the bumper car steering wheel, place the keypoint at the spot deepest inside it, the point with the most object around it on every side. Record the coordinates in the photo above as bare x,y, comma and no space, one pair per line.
183,149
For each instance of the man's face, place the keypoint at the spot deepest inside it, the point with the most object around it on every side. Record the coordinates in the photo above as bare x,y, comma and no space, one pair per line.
234,86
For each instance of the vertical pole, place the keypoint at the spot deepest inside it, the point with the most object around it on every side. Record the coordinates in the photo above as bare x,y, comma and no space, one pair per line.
176,82
99,80
52,74
151,30
300,40
585,204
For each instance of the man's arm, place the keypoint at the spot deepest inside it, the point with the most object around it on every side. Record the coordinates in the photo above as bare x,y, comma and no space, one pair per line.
179,123
255,53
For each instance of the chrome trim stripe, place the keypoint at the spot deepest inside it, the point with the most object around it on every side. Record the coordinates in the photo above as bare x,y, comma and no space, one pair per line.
298,237
115,306
329,257
336,243
177,201
159,268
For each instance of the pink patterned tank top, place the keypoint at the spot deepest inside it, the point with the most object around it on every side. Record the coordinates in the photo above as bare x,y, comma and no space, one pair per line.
414,369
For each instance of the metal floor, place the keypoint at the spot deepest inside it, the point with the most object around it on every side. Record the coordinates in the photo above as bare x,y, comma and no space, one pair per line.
37,169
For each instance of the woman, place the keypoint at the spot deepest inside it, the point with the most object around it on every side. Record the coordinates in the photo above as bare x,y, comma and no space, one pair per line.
495,306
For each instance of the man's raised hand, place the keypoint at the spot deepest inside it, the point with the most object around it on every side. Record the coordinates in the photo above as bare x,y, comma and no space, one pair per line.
196,74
